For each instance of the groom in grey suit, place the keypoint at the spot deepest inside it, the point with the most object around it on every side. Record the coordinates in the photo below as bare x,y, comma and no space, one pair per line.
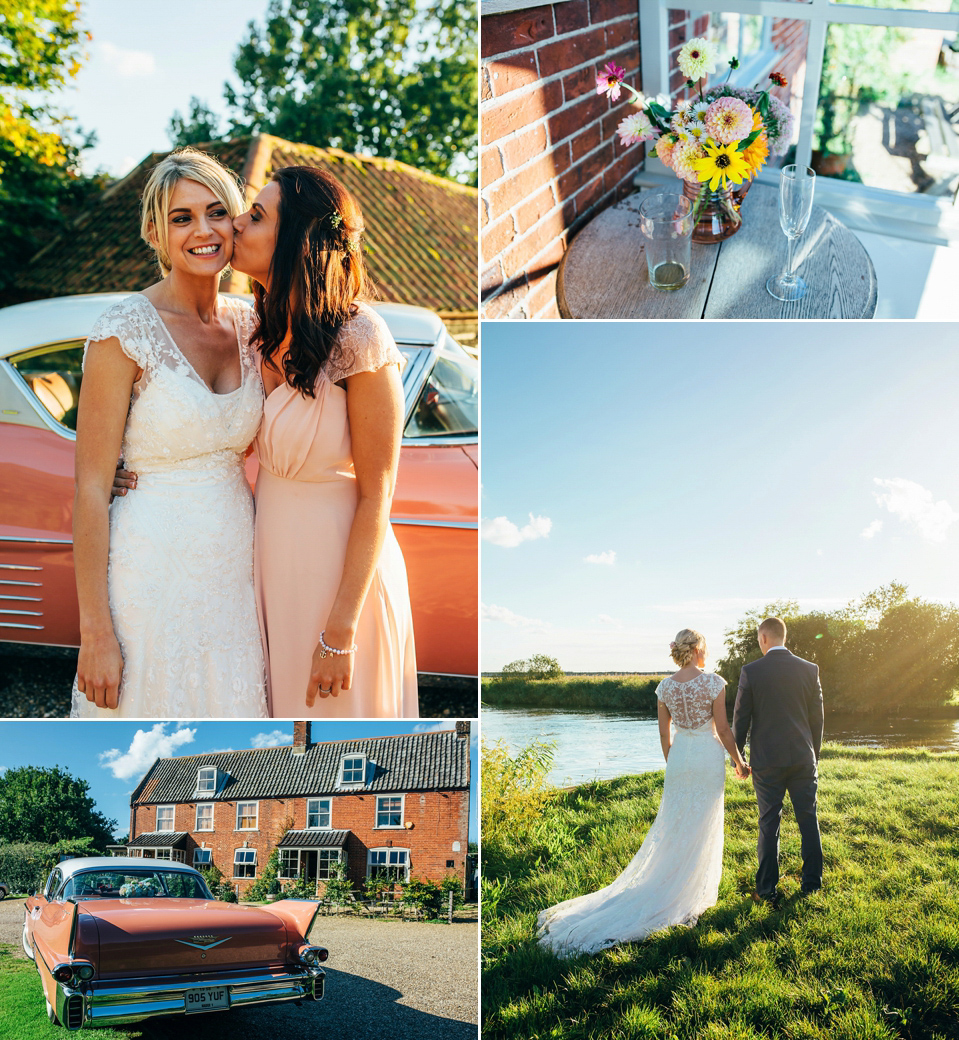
780,699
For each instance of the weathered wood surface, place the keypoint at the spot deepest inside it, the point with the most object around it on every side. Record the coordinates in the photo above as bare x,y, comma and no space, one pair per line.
603,274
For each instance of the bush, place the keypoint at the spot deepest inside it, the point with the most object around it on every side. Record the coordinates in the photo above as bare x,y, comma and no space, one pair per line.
268,883
299,888
26,866
514,788
218,886
590,692
425,896
338,887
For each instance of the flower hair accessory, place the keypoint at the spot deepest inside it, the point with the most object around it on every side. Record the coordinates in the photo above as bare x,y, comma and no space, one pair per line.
672,646
335,219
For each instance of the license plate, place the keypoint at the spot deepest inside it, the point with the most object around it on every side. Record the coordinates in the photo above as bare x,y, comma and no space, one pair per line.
207,999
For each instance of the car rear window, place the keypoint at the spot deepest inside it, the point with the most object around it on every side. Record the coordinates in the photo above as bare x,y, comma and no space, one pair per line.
135,884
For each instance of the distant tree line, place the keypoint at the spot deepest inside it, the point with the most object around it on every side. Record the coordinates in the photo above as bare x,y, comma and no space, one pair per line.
883,653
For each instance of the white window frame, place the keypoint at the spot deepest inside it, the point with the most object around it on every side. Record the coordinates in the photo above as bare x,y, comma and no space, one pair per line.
199,806
246,861
208,861
256,816
200,789
884,211
353,758
377,826
164,830
319,812
285,854
331,856
388,851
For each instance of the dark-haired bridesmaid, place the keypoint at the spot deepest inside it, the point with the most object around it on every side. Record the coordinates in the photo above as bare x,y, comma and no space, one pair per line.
331,583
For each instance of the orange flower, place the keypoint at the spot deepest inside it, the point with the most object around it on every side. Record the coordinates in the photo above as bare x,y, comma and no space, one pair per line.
758,152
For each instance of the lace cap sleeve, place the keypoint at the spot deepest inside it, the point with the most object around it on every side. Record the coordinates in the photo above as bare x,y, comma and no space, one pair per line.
661,689
718,685
128,321
364,344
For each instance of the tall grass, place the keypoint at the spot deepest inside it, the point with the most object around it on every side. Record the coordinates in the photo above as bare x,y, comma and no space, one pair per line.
873,956
612,693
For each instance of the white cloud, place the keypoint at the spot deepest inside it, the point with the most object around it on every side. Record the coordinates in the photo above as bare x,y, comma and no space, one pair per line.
872,530
493,613
125,63
607,558
433,727
145,748
502,531
275,738
3,769
913,504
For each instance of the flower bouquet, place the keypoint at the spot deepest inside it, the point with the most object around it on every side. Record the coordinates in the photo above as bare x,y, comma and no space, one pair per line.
715,143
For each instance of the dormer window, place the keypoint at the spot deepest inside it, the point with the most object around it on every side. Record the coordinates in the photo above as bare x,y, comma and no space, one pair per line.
206,780
353,770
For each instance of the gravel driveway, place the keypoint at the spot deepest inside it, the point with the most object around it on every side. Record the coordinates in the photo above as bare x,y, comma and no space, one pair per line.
399,979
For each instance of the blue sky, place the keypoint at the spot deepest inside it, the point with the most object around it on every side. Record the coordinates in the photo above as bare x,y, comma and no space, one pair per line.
114,756
147,58
642,478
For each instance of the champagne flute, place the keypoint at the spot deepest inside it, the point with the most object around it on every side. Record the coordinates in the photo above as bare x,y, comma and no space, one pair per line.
796,187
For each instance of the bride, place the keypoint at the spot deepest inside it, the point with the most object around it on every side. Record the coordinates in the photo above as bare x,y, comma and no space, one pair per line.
168,624
675,875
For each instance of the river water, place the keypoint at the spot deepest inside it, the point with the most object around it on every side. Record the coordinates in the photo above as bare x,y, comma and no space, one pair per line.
594,745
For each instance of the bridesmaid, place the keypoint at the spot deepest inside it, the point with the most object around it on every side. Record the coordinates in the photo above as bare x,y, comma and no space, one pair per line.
331,583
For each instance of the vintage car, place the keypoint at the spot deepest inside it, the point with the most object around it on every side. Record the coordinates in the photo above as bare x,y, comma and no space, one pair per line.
435,507
118,940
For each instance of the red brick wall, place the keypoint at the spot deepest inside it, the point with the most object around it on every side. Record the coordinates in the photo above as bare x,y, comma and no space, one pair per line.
439,818
549,157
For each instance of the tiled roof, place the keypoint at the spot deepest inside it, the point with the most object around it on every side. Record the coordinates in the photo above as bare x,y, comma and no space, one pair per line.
159,840
313,839
421,229
415,762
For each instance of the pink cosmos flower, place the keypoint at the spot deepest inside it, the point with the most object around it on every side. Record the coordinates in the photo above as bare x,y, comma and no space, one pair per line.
636,127
608,81
728,119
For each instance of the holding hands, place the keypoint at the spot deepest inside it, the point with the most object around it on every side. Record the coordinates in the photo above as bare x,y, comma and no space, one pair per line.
742,770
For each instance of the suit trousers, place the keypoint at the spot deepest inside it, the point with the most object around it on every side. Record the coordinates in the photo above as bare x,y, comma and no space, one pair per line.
771,785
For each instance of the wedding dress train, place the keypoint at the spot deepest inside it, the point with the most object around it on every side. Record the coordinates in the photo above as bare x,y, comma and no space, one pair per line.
675,875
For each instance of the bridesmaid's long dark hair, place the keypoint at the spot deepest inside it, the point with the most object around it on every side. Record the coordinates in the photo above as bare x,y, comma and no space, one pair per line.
316,275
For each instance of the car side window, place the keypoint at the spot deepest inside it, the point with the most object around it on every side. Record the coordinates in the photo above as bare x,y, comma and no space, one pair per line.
53,884
53,373
448,403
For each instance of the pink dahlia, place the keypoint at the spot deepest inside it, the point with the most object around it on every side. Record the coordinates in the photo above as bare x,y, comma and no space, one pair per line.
664,150
636,127
728,119
682,159
608,81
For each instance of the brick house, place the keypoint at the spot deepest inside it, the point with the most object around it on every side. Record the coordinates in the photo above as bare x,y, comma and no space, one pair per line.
550,159
393,806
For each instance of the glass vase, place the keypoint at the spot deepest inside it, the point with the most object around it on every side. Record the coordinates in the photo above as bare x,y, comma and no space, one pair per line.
716,213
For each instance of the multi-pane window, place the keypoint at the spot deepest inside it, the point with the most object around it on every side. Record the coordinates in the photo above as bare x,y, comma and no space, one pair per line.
204,816
354,770
392,864
389,810
202,858
244,863
289,863
206,780
246,816
326,860
296,862
165,817
318,813
164,854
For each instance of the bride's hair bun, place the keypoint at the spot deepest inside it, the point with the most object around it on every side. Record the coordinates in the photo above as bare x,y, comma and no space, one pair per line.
683,648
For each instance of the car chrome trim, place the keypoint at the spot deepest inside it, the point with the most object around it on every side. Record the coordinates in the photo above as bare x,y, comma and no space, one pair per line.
203,946
14,624
23,613
23,584
21,599
35,541
18,567
470,525
440,440
450,675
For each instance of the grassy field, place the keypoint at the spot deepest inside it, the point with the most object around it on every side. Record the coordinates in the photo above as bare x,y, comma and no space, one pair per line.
873,956
611,693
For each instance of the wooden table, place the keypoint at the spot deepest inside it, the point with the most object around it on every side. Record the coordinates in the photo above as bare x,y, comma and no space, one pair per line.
604,275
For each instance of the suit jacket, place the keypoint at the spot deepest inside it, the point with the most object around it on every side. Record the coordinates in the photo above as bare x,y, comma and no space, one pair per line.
780,699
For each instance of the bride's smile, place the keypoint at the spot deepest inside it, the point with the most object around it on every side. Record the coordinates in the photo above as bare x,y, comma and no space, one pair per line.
199,230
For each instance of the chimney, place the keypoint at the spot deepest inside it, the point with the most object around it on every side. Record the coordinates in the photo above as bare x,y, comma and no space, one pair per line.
301,737
463,730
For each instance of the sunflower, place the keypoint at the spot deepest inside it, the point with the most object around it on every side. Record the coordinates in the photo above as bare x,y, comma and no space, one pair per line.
720,164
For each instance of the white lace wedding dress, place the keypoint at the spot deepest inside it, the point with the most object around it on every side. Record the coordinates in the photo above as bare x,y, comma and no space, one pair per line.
675,875
180,573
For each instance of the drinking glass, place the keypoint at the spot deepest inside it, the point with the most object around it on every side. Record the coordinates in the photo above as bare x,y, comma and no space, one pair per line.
796,187
667,223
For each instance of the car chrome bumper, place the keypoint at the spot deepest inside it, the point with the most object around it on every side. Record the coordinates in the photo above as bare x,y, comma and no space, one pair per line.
124,1001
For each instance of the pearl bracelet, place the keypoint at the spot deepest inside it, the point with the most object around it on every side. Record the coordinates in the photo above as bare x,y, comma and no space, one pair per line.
327,650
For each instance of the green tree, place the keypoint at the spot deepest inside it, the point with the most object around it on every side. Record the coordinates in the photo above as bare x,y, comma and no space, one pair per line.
397,79
201,125
50,805
539,666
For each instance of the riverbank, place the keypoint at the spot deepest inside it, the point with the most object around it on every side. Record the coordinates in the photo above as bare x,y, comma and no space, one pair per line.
602,693
874,956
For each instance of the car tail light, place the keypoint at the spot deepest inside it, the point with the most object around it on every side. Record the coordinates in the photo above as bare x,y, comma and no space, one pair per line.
85,972
313,955
73,1012
63,972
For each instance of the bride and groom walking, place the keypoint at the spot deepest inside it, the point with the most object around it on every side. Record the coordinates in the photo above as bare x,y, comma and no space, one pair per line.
675,875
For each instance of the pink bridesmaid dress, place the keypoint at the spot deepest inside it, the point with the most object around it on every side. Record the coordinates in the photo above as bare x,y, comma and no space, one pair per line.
306,497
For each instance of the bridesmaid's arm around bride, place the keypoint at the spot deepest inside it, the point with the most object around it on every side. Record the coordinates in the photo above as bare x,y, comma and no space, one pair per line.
374,402
108,378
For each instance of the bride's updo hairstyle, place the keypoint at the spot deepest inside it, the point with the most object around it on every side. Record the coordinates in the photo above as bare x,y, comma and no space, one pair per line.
683,648
316,275
183,164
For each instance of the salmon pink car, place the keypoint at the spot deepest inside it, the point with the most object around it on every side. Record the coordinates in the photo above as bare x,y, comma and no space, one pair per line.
435,507
119,940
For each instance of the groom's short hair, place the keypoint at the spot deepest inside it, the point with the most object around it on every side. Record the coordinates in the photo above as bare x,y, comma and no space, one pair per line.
774,628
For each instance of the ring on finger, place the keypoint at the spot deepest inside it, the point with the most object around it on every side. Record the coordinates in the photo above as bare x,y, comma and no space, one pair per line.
330,690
